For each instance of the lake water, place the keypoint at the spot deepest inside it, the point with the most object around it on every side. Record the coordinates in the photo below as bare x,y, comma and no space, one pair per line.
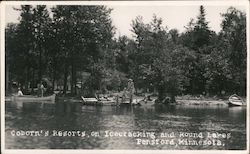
108,127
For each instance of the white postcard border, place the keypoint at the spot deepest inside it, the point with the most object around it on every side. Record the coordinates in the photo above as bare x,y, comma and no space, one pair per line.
115,3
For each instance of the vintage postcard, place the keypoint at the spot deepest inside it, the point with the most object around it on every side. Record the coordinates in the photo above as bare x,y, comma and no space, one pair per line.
124,77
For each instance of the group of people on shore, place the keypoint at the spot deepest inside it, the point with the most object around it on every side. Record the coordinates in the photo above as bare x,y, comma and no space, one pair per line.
128,92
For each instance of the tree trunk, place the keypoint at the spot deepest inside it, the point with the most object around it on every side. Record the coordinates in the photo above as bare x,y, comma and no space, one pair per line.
40,63
72,80
73,77
33,80
27,78
7,75
75,80
54,73
65,79
73,91
192,87
172,97
161,91
242,83
53,82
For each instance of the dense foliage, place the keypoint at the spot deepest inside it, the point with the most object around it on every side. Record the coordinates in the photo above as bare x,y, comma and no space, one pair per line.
72,45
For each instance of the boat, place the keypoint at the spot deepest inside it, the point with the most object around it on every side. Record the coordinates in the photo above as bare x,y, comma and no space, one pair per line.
7,99
108,101
112,101
30,98
134,102
89,101
100,101
235,100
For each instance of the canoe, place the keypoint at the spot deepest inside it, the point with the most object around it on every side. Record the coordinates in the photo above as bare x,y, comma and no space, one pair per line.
235,100
29,98
8,99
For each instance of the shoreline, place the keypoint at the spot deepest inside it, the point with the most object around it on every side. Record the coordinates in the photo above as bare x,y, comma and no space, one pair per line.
201,102
179,101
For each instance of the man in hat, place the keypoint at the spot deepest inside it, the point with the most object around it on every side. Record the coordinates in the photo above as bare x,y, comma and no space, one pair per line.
131,90
41,88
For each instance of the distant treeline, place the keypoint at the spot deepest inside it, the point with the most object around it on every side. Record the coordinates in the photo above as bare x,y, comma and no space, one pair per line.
64,42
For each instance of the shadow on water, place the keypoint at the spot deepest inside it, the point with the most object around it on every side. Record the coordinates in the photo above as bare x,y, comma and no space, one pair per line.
64,108
161,108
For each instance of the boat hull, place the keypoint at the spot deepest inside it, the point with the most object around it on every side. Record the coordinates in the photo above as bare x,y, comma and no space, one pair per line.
33,99
235,101
235,104
94,101
108,102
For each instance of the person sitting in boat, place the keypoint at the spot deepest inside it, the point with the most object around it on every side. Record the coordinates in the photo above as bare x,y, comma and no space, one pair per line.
147,98
101,97
19,93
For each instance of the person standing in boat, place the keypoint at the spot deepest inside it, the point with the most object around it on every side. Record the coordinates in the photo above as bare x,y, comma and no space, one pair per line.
131,90
41,88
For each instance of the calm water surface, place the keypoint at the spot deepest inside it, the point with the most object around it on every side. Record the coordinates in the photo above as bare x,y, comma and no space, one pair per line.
65,116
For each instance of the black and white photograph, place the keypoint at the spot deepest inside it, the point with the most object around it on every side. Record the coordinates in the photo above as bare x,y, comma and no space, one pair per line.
125,76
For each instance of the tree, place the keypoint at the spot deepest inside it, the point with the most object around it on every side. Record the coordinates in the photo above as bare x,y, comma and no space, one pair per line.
41,24
10,42
136,58
25,53
122,53
201,33
198,38
233,35
79,39
86,32
159,58
30,34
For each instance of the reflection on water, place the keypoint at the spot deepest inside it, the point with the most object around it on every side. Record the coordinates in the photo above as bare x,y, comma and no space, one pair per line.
73,116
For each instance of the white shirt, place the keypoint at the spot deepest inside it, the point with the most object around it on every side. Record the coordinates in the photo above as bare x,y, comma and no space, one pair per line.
19,93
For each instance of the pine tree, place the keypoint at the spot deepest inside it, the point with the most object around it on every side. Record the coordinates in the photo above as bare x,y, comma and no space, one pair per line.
201,32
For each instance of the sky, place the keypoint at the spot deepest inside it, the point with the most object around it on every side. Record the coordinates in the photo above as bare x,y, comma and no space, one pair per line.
173,16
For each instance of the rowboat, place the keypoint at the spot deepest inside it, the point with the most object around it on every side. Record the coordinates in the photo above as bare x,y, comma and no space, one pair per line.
89,101
109,101
235,100
29,98
95,101
126,102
